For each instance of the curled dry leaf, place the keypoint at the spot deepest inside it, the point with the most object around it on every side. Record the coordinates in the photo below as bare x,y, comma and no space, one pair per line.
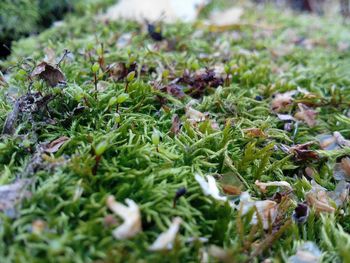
166,239
12,194
282,101
52,74
333,142
131,216
209,187
194,116
302,152
55,145
306,253
266,209
306,115
318,198
262,186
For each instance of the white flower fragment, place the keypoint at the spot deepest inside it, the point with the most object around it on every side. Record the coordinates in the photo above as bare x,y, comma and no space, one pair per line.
266,209
166,239
209,187
131,216
262,186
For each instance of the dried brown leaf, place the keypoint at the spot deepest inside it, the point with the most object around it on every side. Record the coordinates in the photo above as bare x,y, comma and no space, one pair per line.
50,73
55,145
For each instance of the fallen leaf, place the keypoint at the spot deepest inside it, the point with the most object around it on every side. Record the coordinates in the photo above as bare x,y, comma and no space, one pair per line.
266,209
318,198
154,10
282,101
226,18
306,115
209,187
55,145
12,194
166,239
262,186
333,142
302,152
306,253
131,216
52,74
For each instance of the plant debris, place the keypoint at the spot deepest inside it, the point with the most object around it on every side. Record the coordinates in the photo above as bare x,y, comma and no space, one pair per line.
131,216
166,239
209,187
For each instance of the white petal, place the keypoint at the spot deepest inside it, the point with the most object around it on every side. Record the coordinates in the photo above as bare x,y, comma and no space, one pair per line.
166,239
209,187
267,209
131,216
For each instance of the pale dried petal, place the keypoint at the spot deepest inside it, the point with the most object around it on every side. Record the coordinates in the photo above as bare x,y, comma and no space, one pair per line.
319,199
306,253
306,115
282,101
262,186
209,187
166,239
266,209
131,216
194,116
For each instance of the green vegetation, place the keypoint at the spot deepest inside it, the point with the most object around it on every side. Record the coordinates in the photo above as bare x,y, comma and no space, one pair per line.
117,111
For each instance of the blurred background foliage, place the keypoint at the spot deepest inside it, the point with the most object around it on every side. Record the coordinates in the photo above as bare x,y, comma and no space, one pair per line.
21,18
